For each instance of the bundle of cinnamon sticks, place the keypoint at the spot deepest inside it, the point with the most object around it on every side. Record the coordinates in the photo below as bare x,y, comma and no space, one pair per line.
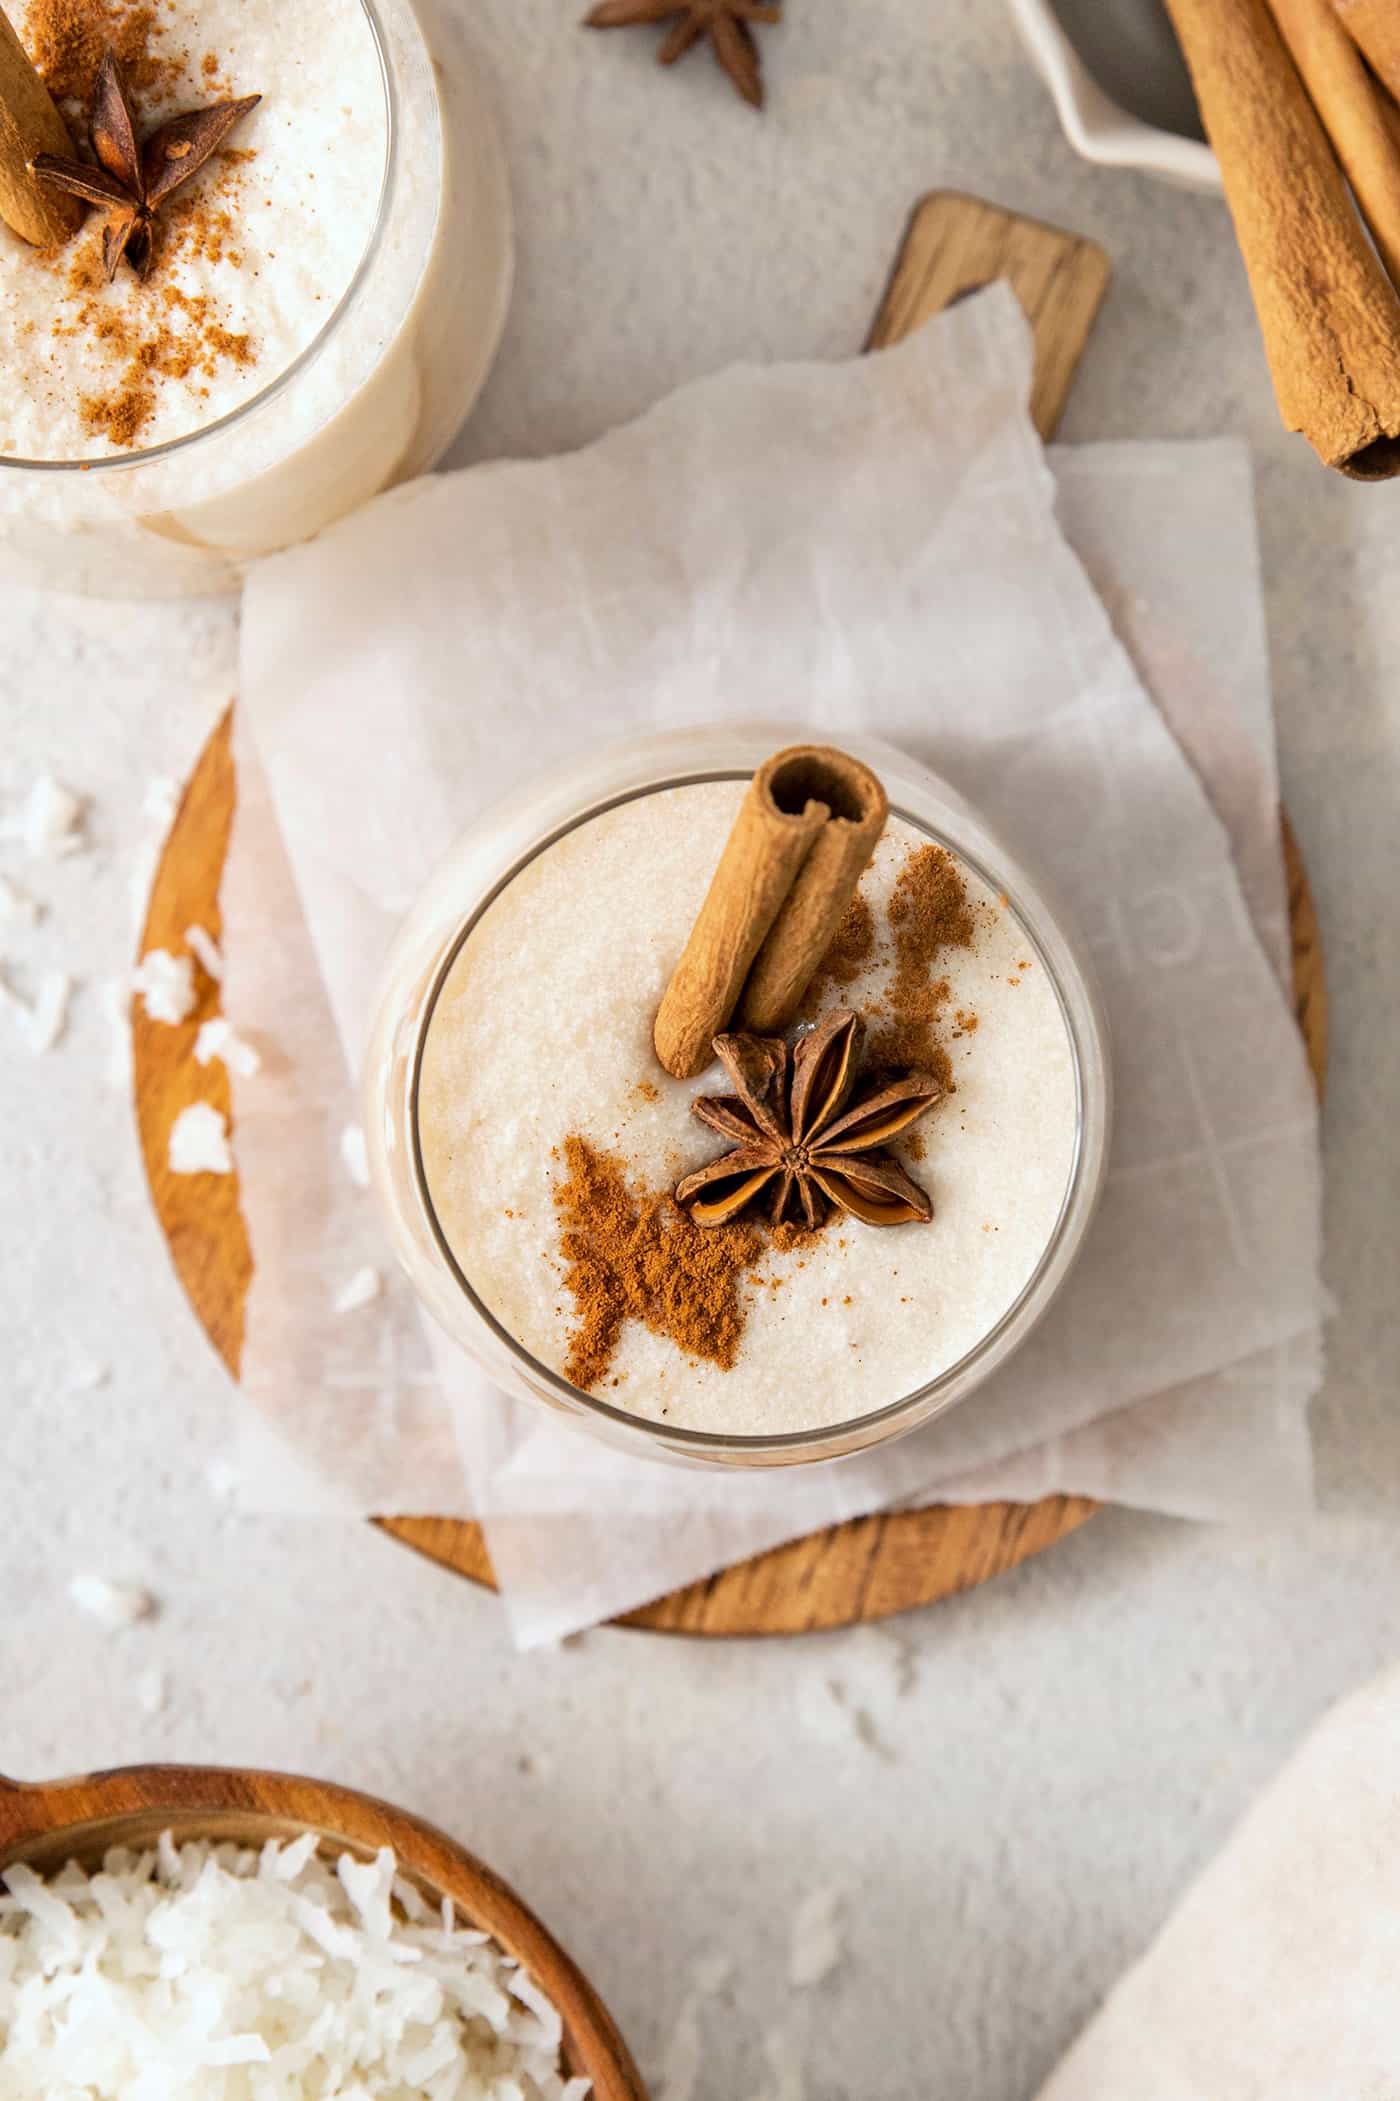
1301,101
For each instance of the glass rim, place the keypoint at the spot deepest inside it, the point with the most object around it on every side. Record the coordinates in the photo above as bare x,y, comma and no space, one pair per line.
853,1433
105,463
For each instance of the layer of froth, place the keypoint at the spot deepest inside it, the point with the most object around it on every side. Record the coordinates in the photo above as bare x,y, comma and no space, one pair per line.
542,1032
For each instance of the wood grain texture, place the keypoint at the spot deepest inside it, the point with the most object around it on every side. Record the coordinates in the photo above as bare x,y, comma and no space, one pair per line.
872,1567
79,1819
955,244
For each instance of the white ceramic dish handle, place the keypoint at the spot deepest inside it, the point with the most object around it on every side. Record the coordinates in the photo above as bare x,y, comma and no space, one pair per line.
1097,128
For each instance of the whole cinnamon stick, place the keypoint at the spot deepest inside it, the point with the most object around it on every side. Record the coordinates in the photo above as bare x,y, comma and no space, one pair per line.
1375,25
30,124
1329,314
1354,111
803,837
757,869
802,932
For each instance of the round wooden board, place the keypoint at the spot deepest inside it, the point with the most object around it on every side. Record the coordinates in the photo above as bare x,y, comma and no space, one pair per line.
865,1570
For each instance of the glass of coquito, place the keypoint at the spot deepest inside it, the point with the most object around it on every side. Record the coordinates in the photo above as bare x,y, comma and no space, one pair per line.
749,1106
226,321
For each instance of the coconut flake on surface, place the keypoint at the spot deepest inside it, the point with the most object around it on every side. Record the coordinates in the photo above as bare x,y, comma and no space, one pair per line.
161,800
166,984
51,825
17,907
182,1962
50,1013
199,1142
112,1605
818,1941
362,1290
206,951
355,1155
218,1038
151,1691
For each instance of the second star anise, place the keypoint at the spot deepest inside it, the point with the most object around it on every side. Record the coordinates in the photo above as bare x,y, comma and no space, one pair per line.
804,1137
131,180
727,23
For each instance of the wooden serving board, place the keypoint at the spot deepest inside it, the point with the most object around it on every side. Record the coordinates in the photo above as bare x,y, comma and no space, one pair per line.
872,1567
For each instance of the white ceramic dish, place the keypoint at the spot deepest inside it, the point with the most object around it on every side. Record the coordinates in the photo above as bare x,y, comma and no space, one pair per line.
1132,44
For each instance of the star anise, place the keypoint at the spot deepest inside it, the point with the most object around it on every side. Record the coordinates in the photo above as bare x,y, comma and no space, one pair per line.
728,24
801,1138
131,181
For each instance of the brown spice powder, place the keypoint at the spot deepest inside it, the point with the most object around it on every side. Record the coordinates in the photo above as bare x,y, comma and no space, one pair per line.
639,1257
929,912
852,948
67,40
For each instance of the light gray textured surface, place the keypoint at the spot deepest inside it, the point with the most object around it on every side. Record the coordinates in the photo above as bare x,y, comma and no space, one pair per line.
1012,1787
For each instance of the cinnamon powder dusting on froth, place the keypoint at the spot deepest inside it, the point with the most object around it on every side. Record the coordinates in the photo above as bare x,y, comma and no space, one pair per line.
635,1256
929,913
68,38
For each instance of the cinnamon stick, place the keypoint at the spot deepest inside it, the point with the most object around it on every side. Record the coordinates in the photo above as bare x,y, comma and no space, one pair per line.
803,835
1354,112
30,124
1329,315
804,929
1375,26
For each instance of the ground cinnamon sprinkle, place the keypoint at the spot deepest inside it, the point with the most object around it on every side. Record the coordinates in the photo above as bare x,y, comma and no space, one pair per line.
154,332
67,40
638,1257
852,947
929,912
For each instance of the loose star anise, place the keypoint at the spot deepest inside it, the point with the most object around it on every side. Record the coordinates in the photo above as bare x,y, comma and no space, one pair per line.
798,1135
727,22
131,181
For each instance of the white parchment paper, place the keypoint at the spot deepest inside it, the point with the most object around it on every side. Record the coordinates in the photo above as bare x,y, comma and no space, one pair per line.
872,546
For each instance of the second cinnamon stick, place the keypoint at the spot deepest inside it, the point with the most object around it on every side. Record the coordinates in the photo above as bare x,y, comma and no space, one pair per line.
1353,108
1375,26
1329,315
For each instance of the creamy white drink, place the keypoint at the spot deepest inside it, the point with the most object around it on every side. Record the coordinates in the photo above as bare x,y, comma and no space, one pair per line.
537,1069
322,298
251,257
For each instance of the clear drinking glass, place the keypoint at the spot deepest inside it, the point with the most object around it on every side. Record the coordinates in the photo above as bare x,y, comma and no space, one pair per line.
375,398
503,842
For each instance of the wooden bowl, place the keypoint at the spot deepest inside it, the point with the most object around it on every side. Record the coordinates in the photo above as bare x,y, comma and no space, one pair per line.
78,1819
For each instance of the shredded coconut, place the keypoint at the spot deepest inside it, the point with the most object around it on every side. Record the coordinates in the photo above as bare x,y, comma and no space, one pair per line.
218,1038
17,907
166,984
176,1966
150,1691
50,1016
362,1290
51,825
818,1942
205,949
355,1155
161,801
199,1142
223,1478
87,1375
114,1605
